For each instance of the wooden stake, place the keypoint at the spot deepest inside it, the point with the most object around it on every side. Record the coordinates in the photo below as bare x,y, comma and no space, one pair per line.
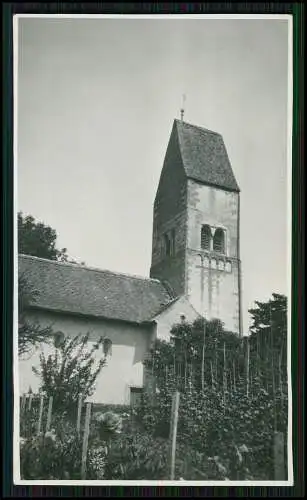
203,359
247,369
192,374
216,371
49,414
212,376
190,379
79,413
185,371
174,365
273,371
224,374
23,403
85,439
234,375
173,433
258,356
30,401
280,376
23,414
279,457
40,416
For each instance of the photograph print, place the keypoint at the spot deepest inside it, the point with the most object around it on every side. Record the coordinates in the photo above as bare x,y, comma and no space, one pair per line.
152,173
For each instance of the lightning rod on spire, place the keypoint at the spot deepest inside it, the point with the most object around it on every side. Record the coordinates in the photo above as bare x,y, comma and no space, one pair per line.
182,107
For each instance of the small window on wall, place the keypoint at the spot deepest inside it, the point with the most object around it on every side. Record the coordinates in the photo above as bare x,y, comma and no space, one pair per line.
59,339
219,241
136,396
205,237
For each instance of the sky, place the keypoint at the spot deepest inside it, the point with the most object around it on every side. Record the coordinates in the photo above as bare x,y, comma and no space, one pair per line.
96,102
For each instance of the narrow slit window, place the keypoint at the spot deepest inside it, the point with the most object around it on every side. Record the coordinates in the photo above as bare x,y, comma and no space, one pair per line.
219,241
173,246
205,237
167,245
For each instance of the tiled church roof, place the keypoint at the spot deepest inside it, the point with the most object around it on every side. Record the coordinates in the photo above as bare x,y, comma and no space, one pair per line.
76,289
204,156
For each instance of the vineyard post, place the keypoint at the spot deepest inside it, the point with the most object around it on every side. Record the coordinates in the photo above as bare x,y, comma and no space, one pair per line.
279,457
203,359
247,368
30,401
173,432
40,416
224,374
79,413
49,414
85,439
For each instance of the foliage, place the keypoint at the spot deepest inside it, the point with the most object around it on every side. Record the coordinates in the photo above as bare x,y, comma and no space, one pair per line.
71,370
51,455
183,355
268,341
38,239
57,453
30,333
135,455
224,432
245,393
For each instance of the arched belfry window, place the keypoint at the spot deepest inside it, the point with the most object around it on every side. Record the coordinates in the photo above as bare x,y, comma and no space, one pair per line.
205,237
219,241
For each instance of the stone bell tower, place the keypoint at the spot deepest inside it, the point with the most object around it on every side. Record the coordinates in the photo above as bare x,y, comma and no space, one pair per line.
196,225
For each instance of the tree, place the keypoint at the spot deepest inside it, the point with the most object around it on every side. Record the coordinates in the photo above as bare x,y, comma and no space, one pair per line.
183,356
269,339
30,333
36,238
71,370
39,240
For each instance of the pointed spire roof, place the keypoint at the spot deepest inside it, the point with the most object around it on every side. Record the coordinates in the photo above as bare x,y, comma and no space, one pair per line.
204,156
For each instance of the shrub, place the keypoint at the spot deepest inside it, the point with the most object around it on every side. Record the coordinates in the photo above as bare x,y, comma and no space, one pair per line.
70,371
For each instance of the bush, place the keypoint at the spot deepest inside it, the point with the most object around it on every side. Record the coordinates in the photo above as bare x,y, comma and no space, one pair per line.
51,455
227,435
135,455
57,454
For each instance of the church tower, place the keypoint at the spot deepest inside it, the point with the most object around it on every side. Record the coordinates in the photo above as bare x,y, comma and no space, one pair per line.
196,225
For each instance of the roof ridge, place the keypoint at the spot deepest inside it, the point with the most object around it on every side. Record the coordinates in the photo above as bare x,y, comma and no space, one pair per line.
90,268
204,156
166,306
201,129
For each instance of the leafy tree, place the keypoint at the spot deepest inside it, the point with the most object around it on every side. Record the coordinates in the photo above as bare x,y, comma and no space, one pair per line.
204,346
38,239
71,370
270,316
30,332
268,341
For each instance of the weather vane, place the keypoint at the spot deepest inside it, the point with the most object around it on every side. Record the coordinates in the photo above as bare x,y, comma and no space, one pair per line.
182,107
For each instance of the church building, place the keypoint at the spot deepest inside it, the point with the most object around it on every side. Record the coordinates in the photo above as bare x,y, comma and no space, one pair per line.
195,270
